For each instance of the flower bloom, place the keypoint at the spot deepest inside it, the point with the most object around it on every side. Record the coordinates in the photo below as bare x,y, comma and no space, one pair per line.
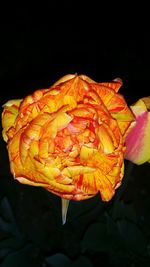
138,138
69,138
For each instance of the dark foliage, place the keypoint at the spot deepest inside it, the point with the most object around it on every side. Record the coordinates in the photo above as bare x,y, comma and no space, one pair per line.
110,234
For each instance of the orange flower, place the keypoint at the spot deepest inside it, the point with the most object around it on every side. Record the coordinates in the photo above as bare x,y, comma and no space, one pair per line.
69,138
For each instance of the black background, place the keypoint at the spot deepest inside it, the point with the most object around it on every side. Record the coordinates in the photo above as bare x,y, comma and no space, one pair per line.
39,45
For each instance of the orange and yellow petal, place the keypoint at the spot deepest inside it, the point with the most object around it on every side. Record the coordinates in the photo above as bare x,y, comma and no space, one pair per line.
9,115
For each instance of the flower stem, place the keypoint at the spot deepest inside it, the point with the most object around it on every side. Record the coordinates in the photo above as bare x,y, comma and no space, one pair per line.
64,207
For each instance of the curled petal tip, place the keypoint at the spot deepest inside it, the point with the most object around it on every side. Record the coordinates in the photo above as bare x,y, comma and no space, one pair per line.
119,80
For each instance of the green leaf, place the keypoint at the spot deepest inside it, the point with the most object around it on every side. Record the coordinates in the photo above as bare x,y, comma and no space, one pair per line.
12,243
82,262
120,258
5,208
21,258
58,260
132,236
97,238
7,219
4,252
122,211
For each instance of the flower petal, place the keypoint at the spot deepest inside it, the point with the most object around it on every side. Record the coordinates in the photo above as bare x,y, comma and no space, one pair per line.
138,138
9,116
